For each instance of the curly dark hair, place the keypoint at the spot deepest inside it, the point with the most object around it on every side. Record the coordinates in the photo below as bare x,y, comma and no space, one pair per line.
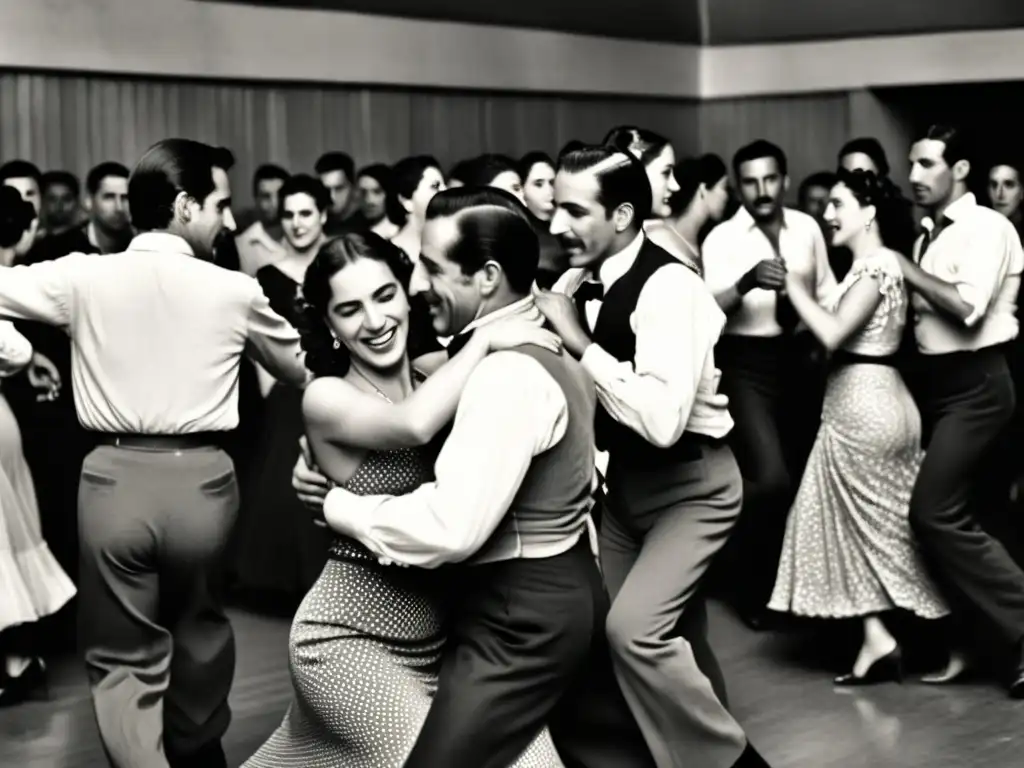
894,214
322,359
16,216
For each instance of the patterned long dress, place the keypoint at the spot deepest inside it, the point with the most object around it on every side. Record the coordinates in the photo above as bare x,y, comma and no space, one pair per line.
365,650
848,549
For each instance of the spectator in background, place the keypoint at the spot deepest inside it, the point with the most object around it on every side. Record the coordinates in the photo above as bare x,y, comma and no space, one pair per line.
337,173
260,243
61,205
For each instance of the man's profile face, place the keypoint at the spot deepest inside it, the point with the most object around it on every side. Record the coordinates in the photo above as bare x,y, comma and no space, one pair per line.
931,178
762,186
211,217
581,223
454,298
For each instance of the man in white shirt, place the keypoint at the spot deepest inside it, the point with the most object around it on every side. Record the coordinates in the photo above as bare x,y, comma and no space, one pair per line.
965,278
644,326
260,243
158,333
773,387
510,499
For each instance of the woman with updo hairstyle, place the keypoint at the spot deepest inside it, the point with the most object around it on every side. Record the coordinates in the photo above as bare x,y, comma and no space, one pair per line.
365,644
849,551
32,585
659,160
697,205
280,552
416,180
537,170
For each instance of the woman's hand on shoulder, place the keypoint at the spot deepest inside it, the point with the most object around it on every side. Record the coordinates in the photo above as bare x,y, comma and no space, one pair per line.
509,334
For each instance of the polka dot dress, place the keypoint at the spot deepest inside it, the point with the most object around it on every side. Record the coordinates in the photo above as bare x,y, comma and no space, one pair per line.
849,550
365,650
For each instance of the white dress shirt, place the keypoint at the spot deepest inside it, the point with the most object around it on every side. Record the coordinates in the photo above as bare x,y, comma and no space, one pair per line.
978,251
510,411
672,387
736,246
15,350
157,335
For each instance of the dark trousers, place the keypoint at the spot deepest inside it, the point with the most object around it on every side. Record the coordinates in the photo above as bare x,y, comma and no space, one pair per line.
662,528
158,647
754,377
526,650
966,401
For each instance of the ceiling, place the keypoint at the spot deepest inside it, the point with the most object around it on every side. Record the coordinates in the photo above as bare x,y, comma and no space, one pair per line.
729,22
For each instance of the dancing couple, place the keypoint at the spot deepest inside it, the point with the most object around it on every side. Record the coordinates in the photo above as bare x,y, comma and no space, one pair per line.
397,666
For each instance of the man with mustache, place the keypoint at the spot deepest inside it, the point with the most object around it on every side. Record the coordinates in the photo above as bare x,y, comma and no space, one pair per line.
965,276
765,374
510,501
644,326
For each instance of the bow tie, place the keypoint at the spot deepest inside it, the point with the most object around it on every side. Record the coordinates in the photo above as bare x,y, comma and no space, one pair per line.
458,342
588,291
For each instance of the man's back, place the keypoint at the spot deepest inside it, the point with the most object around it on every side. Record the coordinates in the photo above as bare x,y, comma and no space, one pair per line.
157,334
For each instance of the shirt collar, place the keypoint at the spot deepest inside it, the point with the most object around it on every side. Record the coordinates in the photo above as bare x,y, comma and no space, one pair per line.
616,265
959,208
521,309
160,242
743,218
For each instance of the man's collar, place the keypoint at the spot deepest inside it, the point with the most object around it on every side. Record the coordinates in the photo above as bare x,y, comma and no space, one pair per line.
744,218
160,242
957,209
616,265
521,309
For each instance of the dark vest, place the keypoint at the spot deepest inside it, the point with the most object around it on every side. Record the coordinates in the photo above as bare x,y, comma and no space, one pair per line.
615,336
551,505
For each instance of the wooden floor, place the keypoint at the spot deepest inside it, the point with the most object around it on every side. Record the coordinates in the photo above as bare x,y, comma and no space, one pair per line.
789,708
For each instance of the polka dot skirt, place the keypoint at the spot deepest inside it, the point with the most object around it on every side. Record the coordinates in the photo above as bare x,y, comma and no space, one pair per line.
365,649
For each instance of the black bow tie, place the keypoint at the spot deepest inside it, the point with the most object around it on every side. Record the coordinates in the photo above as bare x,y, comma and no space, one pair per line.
588,291
458,342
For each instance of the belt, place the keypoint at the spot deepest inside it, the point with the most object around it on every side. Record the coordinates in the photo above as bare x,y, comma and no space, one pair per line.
162,442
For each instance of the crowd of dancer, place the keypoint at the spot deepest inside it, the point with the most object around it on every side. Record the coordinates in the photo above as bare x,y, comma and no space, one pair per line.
539,408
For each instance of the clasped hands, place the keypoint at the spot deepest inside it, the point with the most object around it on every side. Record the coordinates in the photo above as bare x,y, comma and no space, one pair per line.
773,275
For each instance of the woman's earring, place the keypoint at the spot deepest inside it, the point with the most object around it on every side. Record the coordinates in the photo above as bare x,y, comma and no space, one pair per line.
337,343
867,227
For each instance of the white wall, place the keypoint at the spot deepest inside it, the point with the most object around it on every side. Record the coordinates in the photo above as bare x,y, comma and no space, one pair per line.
749,70
209,39
203,39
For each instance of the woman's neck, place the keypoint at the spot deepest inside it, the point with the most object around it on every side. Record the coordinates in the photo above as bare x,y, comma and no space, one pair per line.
689,224
865,244
395,383
408,238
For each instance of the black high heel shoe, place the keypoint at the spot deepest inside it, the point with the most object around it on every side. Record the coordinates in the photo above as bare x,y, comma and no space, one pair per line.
887,669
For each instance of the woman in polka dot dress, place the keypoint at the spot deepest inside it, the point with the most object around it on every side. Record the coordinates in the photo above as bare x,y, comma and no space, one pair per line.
849,550
365,643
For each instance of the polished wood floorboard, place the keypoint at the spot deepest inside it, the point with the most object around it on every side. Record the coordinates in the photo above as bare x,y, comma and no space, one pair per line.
789,708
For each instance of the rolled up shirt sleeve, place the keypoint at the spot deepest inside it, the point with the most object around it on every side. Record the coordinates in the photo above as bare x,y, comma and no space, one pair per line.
676,324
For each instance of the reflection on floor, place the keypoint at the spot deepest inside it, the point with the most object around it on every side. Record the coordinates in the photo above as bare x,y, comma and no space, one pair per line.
791,711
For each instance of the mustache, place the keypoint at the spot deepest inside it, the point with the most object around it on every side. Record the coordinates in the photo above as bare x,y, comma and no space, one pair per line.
764,201
569,241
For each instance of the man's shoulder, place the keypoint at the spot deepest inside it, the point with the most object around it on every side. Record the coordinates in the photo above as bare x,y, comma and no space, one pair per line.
518,374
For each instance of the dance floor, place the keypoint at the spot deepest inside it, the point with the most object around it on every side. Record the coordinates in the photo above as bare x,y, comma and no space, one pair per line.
789,708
